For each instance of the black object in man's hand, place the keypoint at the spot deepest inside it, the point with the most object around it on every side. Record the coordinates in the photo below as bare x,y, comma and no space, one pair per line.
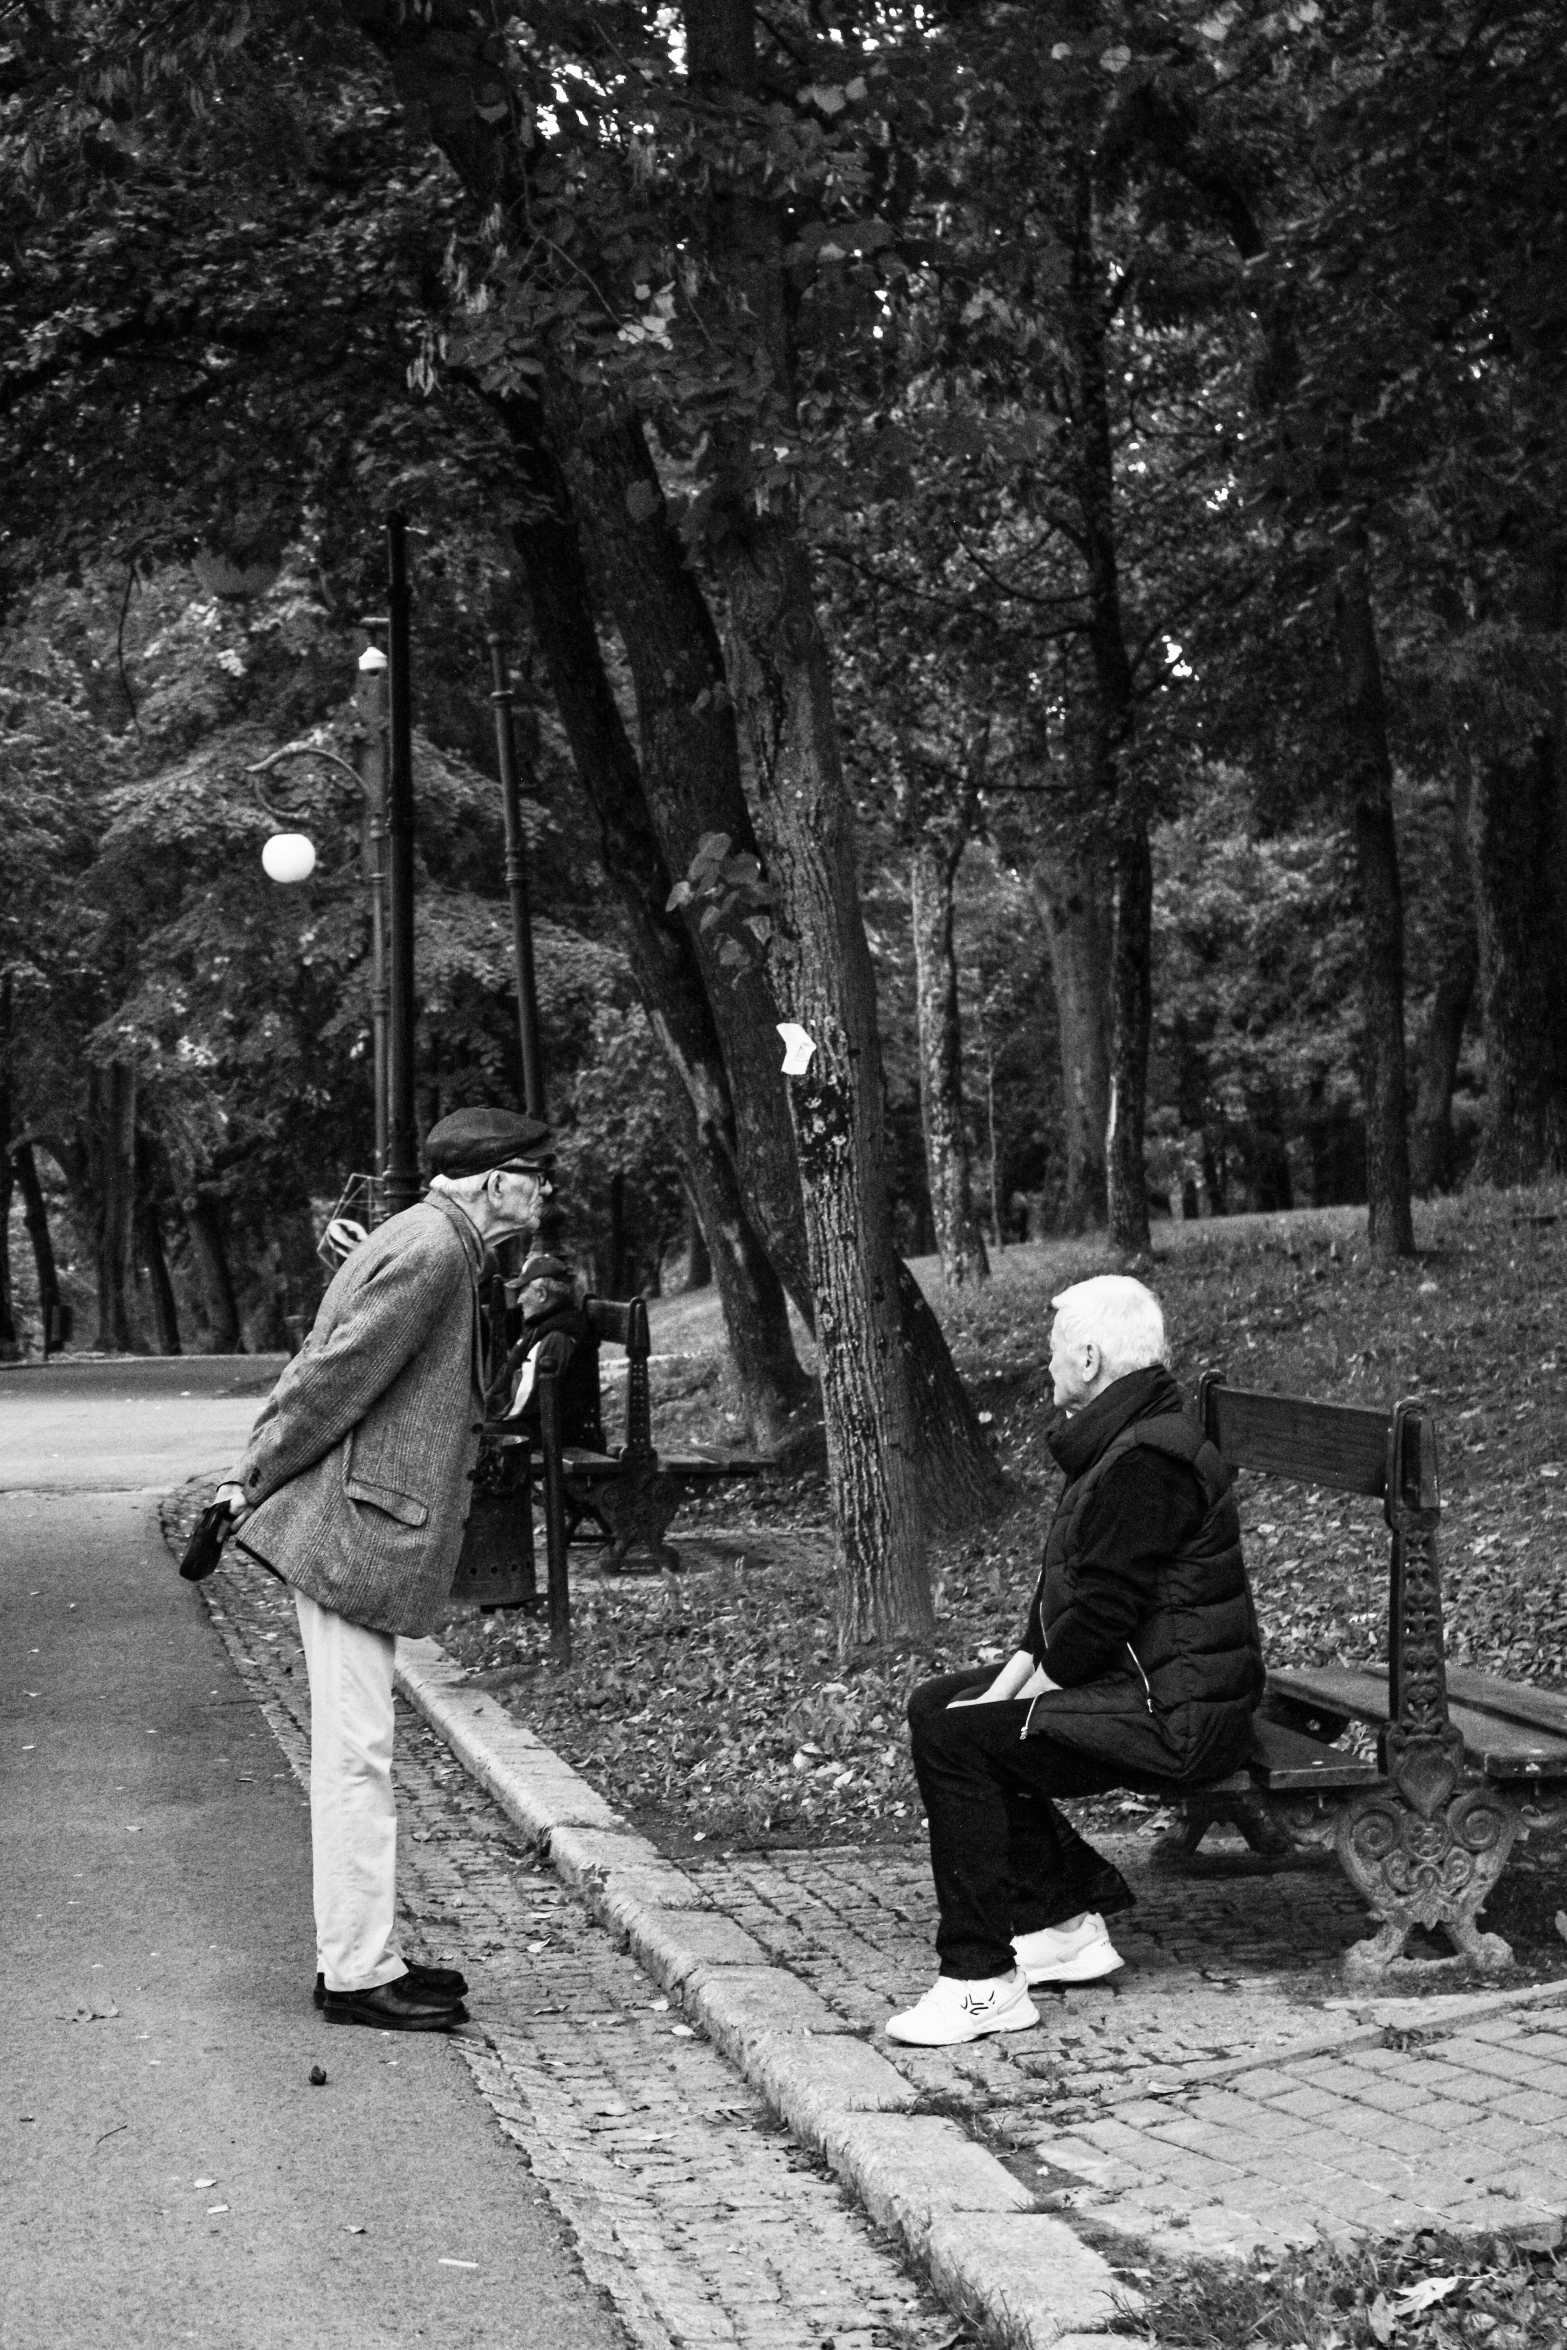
205,1546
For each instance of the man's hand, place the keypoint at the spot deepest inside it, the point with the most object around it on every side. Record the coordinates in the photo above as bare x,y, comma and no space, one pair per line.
1018,1677
233,1499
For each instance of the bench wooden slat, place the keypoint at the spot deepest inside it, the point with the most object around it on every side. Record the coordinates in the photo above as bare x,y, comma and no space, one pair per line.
710,1464
1515,1701
1503,1748
1286,1761
1343,1446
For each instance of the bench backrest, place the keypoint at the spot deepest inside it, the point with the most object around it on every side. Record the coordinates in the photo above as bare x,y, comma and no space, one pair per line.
625,1324
1390,1456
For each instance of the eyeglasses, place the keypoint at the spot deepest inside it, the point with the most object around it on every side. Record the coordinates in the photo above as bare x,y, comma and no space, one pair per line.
531,1168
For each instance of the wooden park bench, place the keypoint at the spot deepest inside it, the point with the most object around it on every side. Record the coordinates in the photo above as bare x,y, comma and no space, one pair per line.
621,1501
1464,1760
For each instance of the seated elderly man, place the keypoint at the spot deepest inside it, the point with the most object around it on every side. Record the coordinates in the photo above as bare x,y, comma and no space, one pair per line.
1140,1666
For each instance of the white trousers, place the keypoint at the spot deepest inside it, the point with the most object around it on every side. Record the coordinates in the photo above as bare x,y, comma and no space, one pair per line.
353,1821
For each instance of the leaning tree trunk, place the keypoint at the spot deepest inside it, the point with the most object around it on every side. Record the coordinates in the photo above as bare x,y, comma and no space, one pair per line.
204,1223
1370,780
773,1386
959,1240
112,1157
1458,964
1070,885
689,762
50,1308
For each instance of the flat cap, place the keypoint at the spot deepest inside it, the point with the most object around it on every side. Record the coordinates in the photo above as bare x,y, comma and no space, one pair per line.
471,1142
544,1268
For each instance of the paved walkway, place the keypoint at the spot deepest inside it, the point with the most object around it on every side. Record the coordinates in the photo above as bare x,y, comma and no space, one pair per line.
1224,2092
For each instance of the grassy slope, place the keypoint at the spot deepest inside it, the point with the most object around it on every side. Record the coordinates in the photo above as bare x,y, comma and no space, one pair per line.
716,1706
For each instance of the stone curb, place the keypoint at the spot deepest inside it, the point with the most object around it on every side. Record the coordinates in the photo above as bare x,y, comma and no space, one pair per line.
965,2220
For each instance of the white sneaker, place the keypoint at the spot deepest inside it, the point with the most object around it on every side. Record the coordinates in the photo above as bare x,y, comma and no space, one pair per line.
1078,1952
952,2010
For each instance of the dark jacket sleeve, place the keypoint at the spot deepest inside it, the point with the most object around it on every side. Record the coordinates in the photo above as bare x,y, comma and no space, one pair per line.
1138,1514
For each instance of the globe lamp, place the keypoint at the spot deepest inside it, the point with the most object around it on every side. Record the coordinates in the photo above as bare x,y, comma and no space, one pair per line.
289,856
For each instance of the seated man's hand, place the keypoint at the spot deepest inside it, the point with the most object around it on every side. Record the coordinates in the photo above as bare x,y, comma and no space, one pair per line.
1018,1678
233,1500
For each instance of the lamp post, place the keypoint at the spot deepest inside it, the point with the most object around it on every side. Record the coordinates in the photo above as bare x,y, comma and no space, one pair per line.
401,1179
371,699
517,885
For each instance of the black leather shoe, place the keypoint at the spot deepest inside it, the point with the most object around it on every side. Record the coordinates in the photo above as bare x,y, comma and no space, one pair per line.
394,2007
442,1982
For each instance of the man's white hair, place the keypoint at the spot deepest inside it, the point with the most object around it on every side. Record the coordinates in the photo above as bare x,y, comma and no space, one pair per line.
1122,1318
461,1186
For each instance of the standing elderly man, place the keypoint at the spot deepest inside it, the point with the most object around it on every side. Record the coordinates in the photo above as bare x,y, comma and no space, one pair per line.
1140,1665
354,1490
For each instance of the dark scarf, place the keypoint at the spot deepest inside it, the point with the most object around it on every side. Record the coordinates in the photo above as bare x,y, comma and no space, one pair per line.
1077,1440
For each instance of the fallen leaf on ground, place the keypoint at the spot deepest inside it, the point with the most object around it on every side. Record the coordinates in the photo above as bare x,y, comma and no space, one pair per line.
1414,2298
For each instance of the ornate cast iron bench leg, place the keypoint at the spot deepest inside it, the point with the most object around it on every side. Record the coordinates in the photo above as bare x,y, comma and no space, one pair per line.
637,1508
1426,1849
1431,1863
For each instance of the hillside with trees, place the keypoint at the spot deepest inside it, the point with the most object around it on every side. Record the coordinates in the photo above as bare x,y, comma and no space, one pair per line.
1030,544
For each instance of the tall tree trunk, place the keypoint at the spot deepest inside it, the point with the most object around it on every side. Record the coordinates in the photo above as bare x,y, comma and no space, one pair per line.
937,813
112,1153
204,1223
10,1345
1070,885
689,762
958,1237
1458,964
1117,789
773,1386
51,1310
1370,780
149,1248
1518,863
821,961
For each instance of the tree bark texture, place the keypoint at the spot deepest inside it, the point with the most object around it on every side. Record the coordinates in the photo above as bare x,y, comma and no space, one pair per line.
936,853
36,1214
165,1312
1458,965
1518,864
1369,779
204,1223
689,760
1071,886
821,962
111,1146
1109,757
773,1386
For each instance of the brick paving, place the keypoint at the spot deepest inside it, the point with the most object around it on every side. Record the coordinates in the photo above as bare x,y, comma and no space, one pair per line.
1223,2092
704,2221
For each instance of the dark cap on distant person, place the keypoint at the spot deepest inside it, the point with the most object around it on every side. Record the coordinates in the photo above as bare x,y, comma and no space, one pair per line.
544,1268
471,1142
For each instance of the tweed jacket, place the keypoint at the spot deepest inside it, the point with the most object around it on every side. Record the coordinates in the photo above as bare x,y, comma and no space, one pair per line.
359,1468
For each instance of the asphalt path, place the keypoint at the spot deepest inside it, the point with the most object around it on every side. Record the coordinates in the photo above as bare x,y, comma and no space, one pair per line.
169,2173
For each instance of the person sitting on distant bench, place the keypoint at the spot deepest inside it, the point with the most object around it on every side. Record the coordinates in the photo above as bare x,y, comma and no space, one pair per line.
547,1297
1140,1665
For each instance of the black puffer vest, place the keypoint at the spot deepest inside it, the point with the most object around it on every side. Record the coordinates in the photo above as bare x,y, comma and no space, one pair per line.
1179,1704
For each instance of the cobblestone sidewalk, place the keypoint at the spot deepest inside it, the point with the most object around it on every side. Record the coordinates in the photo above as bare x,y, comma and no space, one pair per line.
703,2220
1221,2092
